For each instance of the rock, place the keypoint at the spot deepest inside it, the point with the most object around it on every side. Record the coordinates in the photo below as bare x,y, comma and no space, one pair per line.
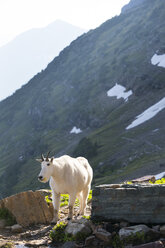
138,234
156,228
134,203
116,227
79,245
36,243
144,179
92,226
89,240
68,244
124,224
44,192
162,230
28,208
20,245
16,228
163,241
8,228
75,228
103,235
133,230
2,223
25,235
82,221
109,227
156,244
153,235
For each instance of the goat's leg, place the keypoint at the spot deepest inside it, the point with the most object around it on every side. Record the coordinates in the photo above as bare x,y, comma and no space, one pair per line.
56,205
85,198
80,197
72,199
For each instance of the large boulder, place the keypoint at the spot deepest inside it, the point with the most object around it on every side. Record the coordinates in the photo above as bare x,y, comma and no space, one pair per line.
136,203
28,208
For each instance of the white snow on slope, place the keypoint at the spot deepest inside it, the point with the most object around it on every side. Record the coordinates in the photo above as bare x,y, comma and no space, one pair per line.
120,92
148,114
76,130
158,60
159,176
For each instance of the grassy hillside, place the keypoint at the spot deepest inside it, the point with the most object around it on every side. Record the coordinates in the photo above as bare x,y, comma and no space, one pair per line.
72,91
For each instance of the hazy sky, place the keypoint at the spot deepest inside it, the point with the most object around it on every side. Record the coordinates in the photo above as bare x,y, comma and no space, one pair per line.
17,16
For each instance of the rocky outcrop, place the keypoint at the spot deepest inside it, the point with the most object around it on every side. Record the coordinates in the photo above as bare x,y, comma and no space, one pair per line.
28,208
139,203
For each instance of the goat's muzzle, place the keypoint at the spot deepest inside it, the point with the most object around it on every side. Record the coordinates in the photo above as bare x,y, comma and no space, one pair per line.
40,178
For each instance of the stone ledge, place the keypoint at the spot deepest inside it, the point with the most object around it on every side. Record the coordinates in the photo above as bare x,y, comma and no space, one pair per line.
135,203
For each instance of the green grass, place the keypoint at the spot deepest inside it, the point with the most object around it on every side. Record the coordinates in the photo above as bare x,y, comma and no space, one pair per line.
64,200
160,181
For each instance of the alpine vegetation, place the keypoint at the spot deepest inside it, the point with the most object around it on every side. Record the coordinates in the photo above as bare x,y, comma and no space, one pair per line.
67,175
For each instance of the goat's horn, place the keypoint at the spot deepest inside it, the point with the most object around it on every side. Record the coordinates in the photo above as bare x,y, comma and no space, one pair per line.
42,157
47,157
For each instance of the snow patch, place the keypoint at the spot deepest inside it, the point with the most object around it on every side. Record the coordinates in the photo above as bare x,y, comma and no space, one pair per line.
120,92
76,130
148,114
159,176
158,60
155,130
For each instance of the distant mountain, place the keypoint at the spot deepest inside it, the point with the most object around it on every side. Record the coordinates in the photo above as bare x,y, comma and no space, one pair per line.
30,52
103,97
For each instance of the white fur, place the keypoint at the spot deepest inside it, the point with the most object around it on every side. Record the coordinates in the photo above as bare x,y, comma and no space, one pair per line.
67,175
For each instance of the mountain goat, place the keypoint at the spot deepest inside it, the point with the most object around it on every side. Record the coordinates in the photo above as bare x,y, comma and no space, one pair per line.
67,175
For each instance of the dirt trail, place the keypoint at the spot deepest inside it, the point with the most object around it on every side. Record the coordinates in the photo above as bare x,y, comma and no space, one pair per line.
37,235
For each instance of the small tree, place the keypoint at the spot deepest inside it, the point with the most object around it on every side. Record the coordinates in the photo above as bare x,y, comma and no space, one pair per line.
86,148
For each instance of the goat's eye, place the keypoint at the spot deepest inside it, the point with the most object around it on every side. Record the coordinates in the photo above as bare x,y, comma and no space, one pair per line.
48,164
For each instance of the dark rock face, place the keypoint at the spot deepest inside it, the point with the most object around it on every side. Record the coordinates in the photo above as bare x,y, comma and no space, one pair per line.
132,203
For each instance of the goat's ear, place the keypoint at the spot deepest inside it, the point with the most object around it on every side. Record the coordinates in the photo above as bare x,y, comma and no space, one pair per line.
51,160
38,160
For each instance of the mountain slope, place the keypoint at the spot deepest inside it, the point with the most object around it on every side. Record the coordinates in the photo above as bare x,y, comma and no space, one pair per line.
30,52
75,93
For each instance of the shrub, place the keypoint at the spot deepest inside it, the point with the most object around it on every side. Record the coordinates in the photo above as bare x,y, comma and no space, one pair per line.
86,148
58,232
5,214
